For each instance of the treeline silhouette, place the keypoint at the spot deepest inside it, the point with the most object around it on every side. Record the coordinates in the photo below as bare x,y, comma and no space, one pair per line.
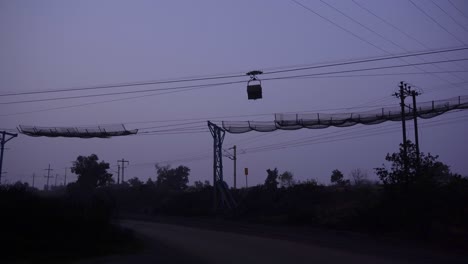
58,225
417,196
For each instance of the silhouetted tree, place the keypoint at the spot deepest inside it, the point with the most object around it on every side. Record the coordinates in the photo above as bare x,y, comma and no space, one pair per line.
91,173
135,183
200,184
150,183
427,171
286,179
337,178
172,179
359,177
271,182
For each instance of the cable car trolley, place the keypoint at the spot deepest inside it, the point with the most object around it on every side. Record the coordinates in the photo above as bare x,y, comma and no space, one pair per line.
254,86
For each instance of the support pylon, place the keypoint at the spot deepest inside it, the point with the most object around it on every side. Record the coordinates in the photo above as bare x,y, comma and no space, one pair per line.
222,197
3,141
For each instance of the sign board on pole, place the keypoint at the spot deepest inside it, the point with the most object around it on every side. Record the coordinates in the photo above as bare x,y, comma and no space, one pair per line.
246,171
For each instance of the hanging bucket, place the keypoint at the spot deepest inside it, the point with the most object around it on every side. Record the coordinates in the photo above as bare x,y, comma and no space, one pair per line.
254,89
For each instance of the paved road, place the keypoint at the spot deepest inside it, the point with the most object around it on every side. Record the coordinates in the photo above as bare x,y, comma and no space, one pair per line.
168,243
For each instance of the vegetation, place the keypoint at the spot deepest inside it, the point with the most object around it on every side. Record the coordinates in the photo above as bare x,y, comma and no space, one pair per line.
418,196
45,227
430,204
337,178
286,179
91,173
271,182
172,179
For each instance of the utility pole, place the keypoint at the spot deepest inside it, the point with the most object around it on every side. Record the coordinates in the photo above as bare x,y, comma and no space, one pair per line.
415,117
235,165
65,178
402,95
246,172
123,167
118,173
2,148
405,91
234,158
48,176
33,176
56,177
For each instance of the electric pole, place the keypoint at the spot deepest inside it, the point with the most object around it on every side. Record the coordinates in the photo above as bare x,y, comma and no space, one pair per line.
118,173
123,161
415,117
235,165
48,176
233,158
2,148
246,172
65,177
33,176
404,92
56,177
402,95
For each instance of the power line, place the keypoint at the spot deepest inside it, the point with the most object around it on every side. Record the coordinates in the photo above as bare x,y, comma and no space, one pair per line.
172,125
382,37
100,102
227,83
463,14
121,93
171,133
364,69
121,85
362,25
162,93
389,74
367,60
391,25
348,31
435,21
337,25
443,10
130,84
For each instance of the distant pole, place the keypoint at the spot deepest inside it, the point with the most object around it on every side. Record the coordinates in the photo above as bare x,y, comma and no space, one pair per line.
415,117
235,166
56,176
402,95
118,173
2,148
234,158
65,177
33,176
123,161
48,175
246,172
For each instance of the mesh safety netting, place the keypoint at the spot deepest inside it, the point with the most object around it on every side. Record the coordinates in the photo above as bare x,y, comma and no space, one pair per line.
293,121
105,131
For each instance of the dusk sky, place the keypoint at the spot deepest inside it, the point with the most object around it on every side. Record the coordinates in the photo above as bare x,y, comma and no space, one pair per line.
60,45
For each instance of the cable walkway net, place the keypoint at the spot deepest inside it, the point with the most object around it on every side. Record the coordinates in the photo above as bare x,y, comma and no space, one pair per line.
106,131
292,121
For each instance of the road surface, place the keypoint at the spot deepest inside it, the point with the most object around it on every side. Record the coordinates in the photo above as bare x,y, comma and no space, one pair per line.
168,243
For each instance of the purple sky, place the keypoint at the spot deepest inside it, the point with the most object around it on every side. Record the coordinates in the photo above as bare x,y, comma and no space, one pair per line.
67,44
